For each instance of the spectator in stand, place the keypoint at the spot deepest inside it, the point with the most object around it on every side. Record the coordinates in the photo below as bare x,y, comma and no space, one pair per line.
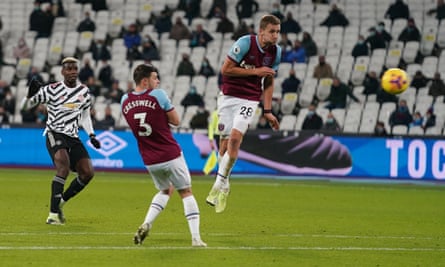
93,86
47,21
185,67
87,24
288,2
380,129
381,32
430,119
290,24
134,54
371,84
276,11
37,19
331,124
200,119
4,87
285,44
192,8
383,97
4,116
130,87
9,102
338,95
200,37
437,86
417,120
397,10
206,69
105,75
419,80
225,25
291,84
410,32
86,71
439,10
99,50
29,116
192,98
108,121
131,37
149,50
309,45
163,23
116,93
401,116
296,55
323,69
218,8
241,29
335,18
360,48
216,13
246,9
179,30
375,40
34,74
99,5
21,50
312,121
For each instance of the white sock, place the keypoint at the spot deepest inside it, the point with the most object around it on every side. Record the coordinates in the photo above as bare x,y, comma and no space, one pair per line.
191,212
224,169
157,205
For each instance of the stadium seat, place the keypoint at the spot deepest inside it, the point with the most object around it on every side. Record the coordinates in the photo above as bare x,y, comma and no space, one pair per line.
288,103
399,130
410,51
288,122
323,89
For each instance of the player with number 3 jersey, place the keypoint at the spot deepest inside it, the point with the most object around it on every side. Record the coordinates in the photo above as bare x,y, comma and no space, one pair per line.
150,114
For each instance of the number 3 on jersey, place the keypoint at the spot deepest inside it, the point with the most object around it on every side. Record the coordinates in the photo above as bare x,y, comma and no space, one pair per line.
142,124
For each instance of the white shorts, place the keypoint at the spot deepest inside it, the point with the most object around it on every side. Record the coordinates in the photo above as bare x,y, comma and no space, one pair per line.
235,113
173,172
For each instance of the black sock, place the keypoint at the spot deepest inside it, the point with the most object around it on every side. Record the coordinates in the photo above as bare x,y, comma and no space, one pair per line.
56,193
75,187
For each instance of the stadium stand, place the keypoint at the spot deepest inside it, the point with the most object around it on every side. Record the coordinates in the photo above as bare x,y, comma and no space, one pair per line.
335,42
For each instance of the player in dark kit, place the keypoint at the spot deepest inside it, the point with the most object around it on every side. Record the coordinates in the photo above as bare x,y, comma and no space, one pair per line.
149,113
248,75
68,104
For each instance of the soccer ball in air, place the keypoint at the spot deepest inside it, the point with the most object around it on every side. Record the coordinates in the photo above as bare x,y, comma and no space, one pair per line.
395,81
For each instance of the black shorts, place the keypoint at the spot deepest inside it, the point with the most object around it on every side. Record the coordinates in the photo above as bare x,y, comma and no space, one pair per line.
76,150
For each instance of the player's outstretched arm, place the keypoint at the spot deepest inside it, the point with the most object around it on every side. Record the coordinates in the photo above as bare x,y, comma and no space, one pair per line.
34,87
268,84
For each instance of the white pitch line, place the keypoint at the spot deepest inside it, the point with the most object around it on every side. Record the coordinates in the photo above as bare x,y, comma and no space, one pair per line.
223,248
294,235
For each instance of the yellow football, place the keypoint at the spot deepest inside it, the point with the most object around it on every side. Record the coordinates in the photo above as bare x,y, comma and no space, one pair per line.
395,81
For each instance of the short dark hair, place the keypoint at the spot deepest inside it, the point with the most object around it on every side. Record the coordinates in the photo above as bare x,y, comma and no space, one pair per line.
143,71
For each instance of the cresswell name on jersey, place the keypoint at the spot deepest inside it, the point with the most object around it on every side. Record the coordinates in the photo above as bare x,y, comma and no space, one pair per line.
138,103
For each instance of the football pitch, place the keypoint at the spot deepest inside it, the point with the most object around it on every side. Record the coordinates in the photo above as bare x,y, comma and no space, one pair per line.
268,222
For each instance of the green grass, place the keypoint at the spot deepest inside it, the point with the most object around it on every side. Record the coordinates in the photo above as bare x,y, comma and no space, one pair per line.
267,223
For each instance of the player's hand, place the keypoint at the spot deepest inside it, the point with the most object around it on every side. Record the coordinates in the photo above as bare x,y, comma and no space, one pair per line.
94,141
273,121
265,71
212,145
34,86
